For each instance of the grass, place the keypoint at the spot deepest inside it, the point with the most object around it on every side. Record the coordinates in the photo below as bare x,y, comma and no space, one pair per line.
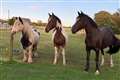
43,69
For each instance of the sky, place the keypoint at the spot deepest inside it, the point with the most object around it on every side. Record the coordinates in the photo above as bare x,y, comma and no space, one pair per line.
66,10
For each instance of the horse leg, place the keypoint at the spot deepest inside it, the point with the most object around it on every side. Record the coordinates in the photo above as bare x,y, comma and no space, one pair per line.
63,54
102,62
30,55
97,62
56,55
24,55
87,59
35,54
111,61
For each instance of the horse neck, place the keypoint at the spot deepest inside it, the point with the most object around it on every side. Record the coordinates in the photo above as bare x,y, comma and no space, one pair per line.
27,30
91,30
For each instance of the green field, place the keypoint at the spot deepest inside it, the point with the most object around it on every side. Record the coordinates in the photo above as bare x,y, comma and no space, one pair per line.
43,69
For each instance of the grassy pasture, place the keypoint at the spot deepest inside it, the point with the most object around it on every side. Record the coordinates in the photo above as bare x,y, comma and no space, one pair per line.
43,69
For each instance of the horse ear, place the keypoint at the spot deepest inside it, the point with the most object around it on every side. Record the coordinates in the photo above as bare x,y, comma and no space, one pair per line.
78,13
60,29
52,13
49,14
82,13
20,20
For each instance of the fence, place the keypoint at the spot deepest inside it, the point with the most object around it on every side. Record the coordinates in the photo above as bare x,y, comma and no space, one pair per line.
5,44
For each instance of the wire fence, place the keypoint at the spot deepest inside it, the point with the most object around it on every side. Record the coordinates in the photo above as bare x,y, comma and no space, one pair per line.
5,44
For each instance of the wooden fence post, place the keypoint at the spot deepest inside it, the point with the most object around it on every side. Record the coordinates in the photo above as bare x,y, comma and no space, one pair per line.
11,48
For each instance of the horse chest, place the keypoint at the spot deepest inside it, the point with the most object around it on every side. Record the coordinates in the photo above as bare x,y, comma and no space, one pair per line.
93,42
25,41
59,39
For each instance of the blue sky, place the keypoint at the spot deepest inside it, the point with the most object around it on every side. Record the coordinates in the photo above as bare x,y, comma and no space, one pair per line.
66,10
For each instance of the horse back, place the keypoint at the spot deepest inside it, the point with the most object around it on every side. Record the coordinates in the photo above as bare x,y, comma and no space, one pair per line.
107,36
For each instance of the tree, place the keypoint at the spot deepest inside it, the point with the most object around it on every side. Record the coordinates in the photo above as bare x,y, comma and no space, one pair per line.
11,21
105,19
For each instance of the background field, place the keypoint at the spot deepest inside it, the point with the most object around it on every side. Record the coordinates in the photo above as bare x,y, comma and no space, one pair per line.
43,69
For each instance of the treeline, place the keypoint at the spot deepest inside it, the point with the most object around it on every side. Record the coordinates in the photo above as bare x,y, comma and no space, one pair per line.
39,23
102,18
105,19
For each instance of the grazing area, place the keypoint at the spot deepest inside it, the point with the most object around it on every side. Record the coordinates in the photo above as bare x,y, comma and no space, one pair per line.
42,67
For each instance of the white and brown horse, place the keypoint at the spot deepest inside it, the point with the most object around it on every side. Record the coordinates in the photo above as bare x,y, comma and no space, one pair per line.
29,40
59,38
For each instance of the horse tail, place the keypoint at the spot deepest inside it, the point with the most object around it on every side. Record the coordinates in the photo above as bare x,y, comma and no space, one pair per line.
115,47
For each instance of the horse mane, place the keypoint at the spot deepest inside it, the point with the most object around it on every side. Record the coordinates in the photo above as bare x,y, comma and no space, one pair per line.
57,19
91,21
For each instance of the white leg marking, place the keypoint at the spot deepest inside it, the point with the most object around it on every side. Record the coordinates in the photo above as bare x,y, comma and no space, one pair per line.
24,55
30,55
102,62
63,54
97,72
55,56
111,61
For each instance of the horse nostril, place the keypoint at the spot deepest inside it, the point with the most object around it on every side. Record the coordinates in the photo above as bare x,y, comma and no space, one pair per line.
73,32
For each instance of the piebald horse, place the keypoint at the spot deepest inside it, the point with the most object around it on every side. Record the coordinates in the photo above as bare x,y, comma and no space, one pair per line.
59,38
29,40
96,39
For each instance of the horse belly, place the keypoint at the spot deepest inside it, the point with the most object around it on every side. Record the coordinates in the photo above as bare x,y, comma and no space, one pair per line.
36,38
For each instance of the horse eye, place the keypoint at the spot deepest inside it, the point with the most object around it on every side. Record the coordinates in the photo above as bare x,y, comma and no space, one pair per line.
77,19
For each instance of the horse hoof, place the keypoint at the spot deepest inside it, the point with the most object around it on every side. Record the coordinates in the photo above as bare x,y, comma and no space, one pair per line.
54,63
35,55
101,64
111,65
64,64
97,72
86,70
30,61
24,60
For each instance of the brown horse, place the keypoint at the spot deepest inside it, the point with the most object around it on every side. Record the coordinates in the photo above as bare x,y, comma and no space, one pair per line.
96,39
29,40
59,38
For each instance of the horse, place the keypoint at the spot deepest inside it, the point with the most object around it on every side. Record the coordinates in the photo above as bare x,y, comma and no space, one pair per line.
29,40
97,39
59,37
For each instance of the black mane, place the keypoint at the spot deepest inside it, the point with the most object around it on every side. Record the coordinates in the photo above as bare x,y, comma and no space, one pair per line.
57,19
91,21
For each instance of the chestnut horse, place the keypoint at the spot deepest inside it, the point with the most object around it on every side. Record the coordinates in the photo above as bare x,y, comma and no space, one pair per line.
59,38
96,39
29,40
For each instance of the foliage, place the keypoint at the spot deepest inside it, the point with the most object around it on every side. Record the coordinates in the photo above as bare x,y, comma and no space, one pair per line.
11,21
39,23
105,19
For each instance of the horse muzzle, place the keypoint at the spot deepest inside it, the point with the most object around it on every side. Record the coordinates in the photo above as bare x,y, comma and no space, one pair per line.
73,31
46,30
13,32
